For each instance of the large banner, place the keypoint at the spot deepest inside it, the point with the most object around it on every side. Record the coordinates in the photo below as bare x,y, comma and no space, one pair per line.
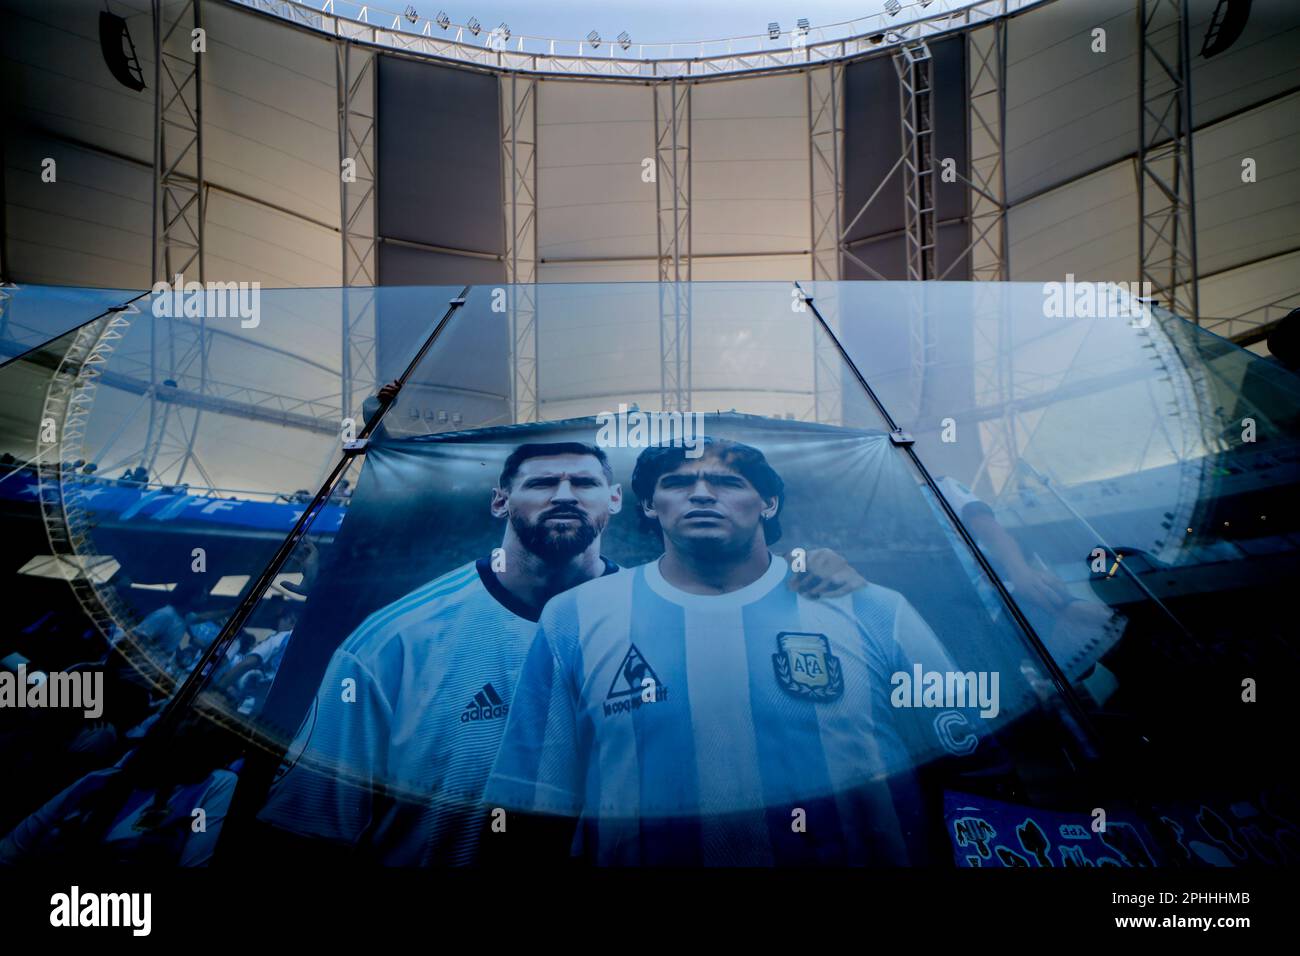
627,642
421,508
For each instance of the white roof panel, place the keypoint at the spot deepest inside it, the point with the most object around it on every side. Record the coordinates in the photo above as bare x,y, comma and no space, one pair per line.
1087,228
749,166
249,242
270,113
592,199
1238,222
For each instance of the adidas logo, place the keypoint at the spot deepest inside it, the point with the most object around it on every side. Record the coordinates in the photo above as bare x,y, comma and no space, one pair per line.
486,705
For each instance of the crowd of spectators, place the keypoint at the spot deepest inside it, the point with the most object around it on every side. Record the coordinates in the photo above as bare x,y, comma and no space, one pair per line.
107,789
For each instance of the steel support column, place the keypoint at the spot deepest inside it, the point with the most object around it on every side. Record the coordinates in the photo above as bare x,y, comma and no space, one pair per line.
525,397
828,367
672,116
673,179
675,346
1166,187
358,221
913,64
519,95
825,88
994,374
986,57
178,141
825,149
915,76
179,212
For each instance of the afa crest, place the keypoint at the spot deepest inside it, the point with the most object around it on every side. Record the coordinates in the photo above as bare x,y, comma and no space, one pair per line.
805,666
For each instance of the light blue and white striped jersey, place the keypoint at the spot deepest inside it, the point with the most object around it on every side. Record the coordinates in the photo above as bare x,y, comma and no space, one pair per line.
399,769
690,729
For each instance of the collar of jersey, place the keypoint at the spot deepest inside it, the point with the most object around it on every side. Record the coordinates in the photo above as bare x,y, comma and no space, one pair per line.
509,601
750,593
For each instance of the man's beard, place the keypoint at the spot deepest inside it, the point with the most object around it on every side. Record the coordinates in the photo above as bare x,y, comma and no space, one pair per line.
551,544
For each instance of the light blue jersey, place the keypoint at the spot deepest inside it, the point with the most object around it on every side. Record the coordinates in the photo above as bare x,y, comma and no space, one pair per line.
692,729
395,762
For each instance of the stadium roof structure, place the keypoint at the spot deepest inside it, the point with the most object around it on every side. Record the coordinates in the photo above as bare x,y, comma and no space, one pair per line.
311,156
802,168
804,43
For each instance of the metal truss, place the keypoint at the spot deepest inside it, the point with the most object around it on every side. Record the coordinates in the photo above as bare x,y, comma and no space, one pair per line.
525,398
177,352
994,373
675,346
1166,187
825,88
130,374
519,94
986,57
359,374
1253,326
825,185
358,221
672,119
180,204
519,166
178,141
863,36
357,112
915,85
828,365
993,367
920,346
845,251
914,66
